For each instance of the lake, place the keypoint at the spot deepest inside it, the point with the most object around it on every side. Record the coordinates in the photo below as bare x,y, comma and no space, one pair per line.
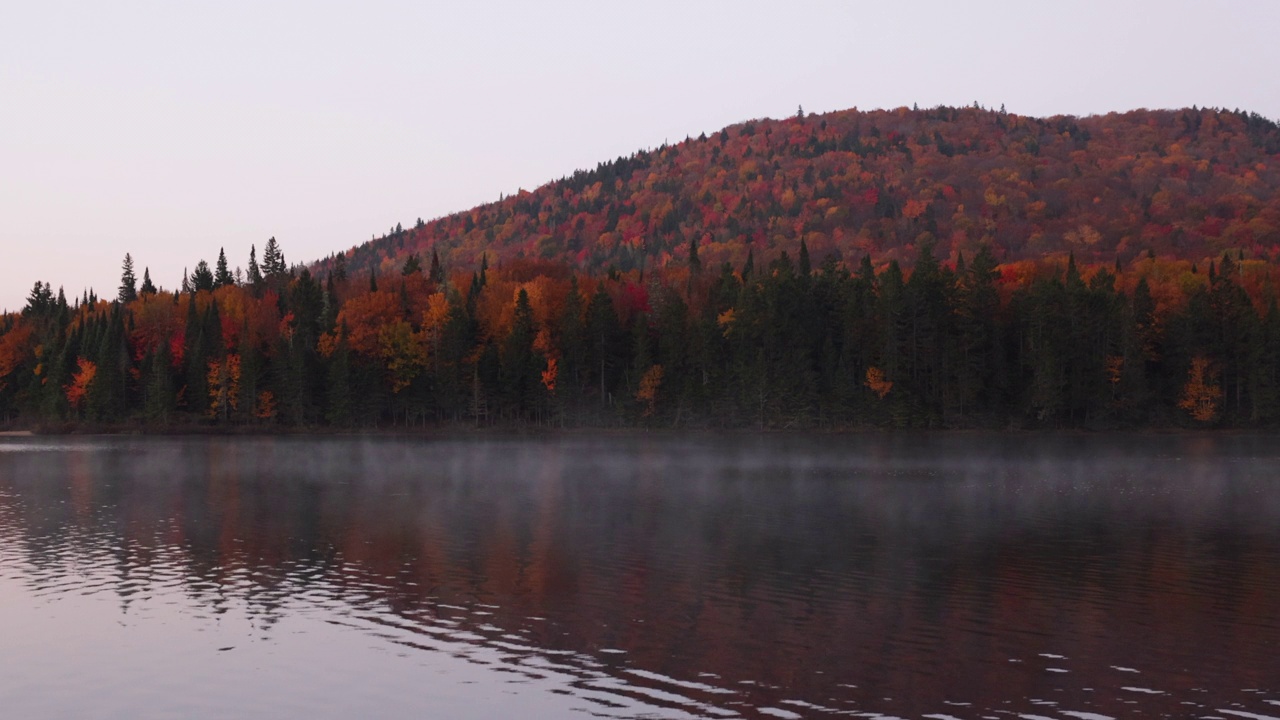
641,576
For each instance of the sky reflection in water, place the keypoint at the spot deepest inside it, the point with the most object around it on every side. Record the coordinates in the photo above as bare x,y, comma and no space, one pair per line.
952,576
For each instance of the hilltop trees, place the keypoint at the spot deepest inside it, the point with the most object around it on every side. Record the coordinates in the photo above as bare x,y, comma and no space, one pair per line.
273,266
128,281
1182,183
222,276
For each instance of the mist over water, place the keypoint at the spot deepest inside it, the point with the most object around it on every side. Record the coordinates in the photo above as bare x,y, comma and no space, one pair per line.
947,576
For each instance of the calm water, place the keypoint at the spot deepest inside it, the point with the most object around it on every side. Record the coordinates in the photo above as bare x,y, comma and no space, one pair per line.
959,576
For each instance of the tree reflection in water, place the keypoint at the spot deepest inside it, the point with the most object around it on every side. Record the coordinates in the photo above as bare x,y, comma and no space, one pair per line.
945,575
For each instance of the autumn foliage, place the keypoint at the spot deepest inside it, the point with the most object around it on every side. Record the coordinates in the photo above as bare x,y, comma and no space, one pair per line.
1185,184
937,268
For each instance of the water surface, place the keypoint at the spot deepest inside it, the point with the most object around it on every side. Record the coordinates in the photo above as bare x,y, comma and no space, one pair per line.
951,576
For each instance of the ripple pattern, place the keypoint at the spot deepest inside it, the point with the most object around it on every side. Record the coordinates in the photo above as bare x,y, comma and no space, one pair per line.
641,578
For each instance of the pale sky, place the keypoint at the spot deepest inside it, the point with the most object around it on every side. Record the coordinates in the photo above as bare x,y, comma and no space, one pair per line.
170,129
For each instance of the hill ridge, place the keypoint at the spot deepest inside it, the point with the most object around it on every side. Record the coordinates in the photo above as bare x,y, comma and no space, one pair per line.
1187,183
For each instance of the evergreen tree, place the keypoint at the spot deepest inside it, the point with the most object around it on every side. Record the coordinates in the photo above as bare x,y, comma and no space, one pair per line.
160,398
602,342
273,265
571,338
39,301
128,281
437,271
254,274
521,366
222,276
148,288
202,277
340,410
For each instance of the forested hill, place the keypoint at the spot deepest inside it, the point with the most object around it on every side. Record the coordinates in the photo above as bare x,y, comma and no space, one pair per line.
1185,184
945,268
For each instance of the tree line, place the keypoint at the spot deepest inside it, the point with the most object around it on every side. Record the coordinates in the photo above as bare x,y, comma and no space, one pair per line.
779,344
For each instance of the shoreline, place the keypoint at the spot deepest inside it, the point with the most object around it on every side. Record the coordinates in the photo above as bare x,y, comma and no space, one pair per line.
457,431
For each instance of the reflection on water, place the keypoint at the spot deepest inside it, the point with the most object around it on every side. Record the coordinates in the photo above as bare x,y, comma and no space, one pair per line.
948,576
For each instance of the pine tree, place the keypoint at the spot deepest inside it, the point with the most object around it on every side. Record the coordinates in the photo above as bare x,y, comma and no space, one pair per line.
522,366
340,406
411,266
160,399
254,275
273,265
572,342
222,277
128,281
202,277
148,288
437,271
602,340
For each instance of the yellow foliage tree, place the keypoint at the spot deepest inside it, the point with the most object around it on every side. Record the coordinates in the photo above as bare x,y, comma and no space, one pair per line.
1201,394
404,352
648,391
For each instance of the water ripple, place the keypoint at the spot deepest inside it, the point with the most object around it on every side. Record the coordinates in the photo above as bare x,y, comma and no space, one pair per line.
630,580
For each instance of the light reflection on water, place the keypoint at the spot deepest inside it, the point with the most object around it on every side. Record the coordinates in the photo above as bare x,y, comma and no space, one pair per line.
957,576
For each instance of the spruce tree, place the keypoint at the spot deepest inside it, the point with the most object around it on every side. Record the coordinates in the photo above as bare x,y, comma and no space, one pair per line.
148,288
160,397
437,271
128,281
273,265
521,366
202,277
254,276
340,406
222,277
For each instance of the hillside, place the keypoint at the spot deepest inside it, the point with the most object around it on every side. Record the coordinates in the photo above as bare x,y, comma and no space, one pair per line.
947,268
1183,184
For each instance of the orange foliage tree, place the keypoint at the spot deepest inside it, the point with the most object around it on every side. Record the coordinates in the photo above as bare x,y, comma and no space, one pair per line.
78,389
224,387
1202,393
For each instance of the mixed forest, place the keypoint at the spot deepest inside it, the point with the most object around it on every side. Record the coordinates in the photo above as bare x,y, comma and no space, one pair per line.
951,267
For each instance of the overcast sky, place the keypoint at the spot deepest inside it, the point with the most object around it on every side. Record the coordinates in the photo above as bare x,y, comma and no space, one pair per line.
171,129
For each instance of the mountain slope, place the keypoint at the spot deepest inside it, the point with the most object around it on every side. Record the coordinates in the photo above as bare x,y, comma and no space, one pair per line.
1183,183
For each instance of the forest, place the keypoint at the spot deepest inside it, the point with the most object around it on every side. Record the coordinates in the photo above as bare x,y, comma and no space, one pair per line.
945,268
778,344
